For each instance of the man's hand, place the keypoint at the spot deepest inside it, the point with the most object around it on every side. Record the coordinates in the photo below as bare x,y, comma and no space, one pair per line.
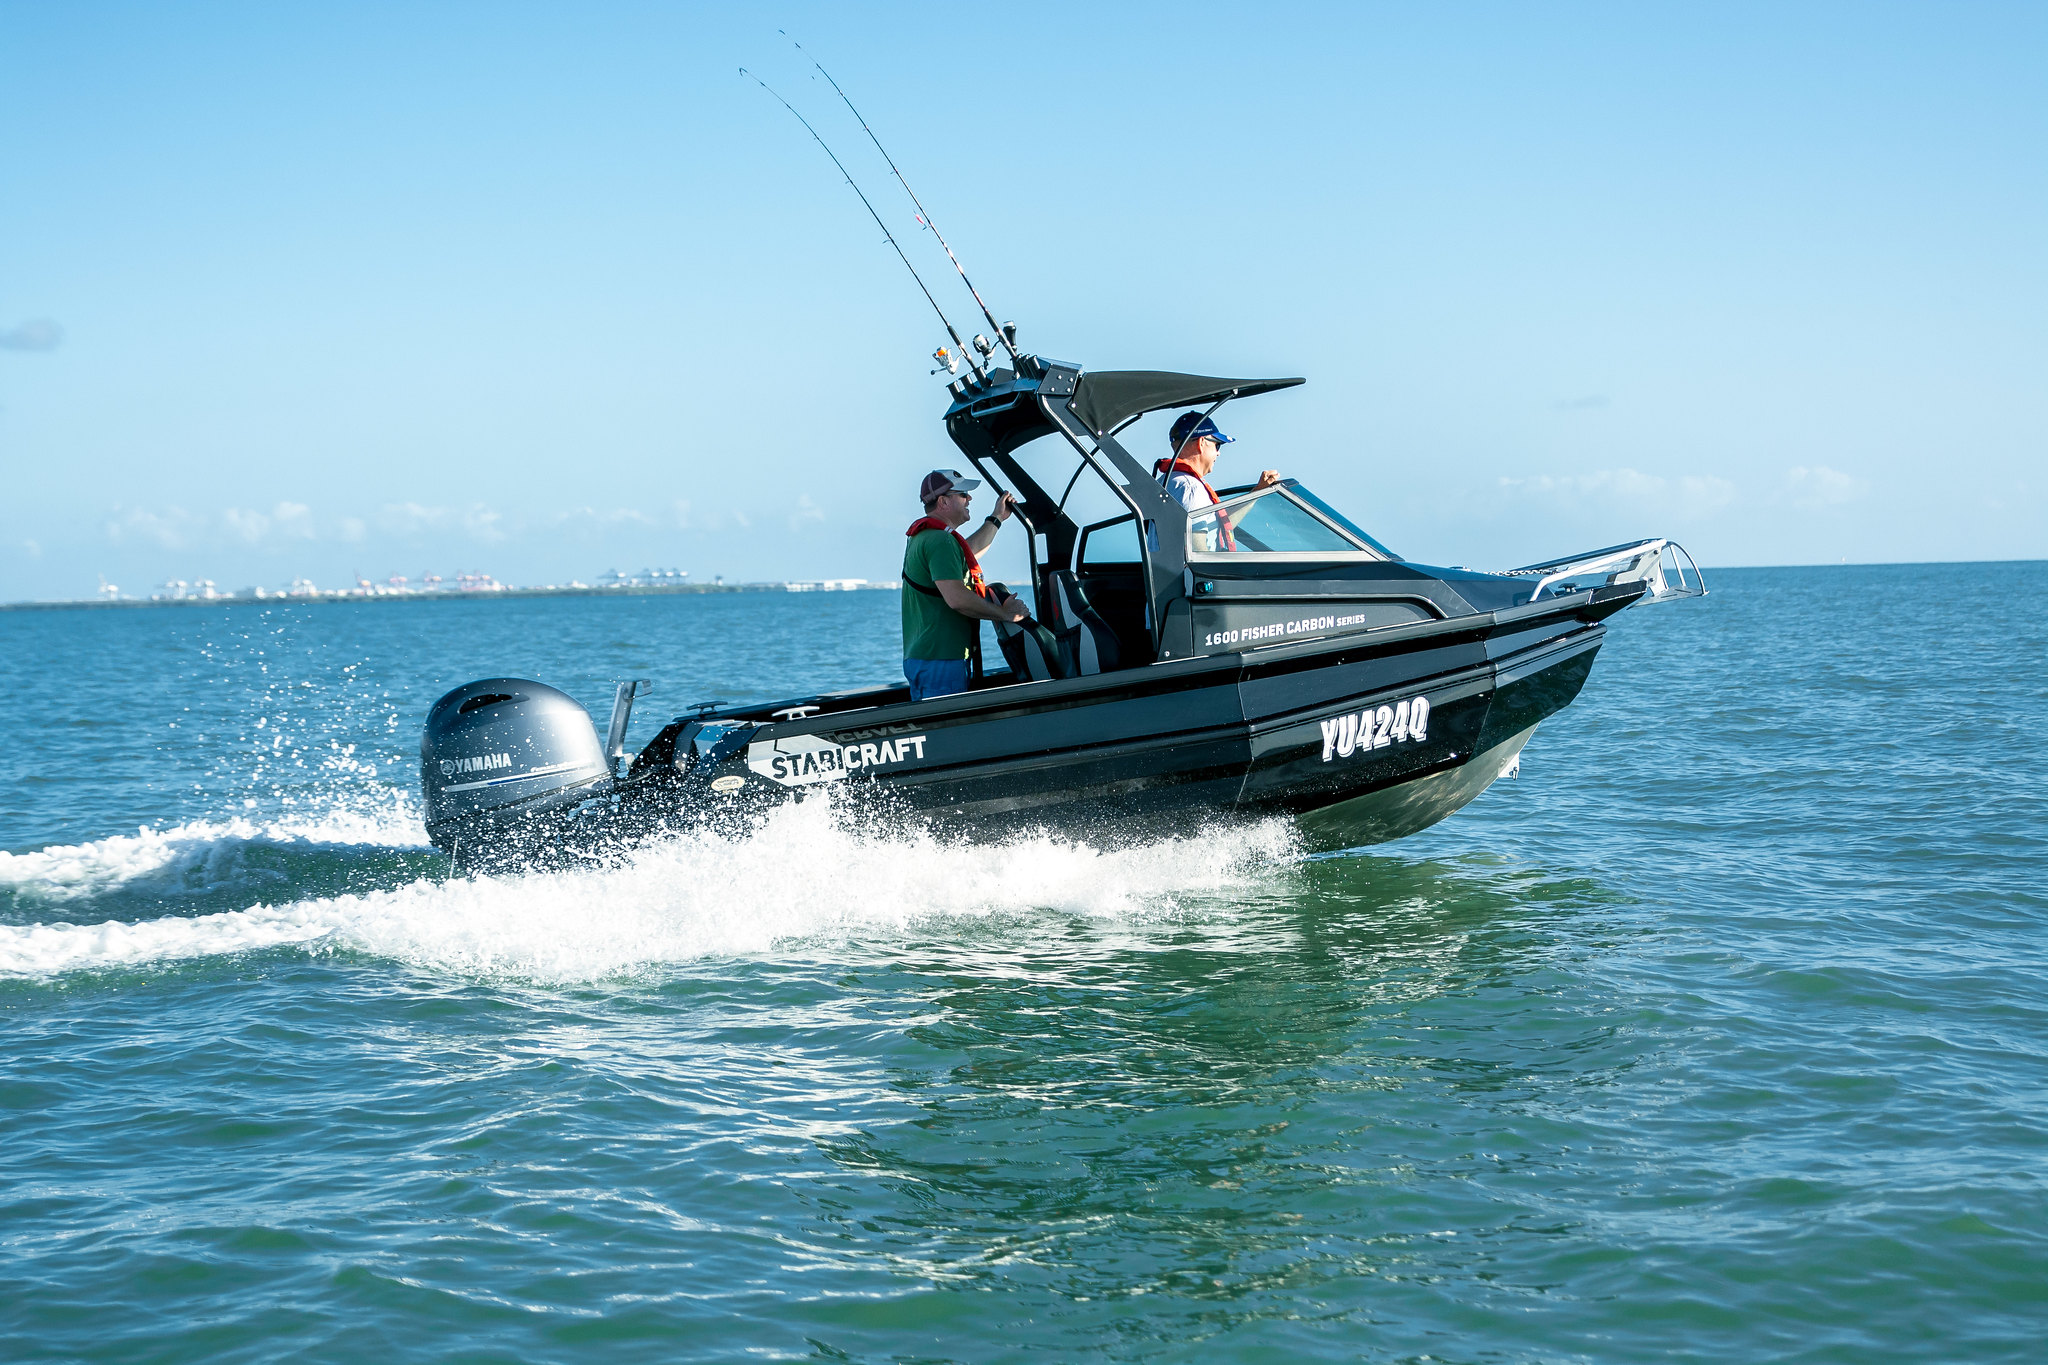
975,607
1268,477
984,535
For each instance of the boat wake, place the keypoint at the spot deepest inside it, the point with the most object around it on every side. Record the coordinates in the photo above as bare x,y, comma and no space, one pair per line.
802,874
201,857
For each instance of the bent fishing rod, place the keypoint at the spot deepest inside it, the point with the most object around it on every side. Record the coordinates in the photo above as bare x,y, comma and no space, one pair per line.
964,351
923,217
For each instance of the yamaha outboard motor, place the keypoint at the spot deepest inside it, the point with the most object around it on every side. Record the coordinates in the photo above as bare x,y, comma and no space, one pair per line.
499,752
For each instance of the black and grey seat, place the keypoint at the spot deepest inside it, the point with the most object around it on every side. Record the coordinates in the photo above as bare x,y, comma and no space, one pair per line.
1086,640
1033,652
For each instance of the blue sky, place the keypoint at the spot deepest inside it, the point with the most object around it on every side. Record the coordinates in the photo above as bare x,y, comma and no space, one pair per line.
544,290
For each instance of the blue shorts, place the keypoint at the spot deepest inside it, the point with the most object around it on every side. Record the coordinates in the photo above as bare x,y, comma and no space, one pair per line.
935,677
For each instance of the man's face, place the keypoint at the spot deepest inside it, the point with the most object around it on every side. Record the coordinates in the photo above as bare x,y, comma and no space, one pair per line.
951,508
1202,454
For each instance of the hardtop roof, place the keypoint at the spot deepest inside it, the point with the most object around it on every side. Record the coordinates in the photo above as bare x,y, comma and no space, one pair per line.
1108,400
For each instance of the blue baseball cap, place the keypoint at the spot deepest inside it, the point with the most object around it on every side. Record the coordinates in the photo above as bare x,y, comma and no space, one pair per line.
1192,426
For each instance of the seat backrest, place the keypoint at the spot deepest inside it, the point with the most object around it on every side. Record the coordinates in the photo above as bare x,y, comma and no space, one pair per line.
1085,635
1033,652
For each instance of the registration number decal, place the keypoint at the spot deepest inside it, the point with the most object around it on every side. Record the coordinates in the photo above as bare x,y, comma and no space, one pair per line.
1405,722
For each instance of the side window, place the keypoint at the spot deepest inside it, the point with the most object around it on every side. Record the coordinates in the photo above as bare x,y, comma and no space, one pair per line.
1110,542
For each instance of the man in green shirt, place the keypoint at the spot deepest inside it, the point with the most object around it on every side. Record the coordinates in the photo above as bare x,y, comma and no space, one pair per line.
944,598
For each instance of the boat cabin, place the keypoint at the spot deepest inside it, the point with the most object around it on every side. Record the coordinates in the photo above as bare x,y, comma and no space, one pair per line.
1149,582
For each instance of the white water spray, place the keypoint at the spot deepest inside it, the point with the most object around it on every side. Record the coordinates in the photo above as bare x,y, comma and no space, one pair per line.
800,876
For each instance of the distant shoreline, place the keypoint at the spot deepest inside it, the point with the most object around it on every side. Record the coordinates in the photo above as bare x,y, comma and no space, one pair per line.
483,594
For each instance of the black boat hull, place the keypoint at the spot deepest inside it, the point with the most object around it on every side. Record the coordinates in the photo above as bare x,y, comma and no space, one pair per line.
1229,734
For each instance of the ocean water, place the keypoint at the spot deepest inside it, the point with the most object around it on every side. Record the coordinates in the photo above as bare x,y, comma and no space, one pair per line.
1719,1034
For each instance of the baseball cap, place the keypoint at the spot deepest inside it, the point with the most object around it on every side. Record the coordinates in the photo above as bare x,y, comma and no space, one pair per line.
945,481
1192,426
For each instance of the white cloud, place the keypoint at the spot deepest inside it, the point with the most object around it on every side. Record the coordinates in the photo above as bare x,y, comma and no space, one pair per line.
806,511
409,518
37,334
476,521
285,521
1694,495
294,520
292,523
251,528
482,523
173,529
688,518
1815,486
591,518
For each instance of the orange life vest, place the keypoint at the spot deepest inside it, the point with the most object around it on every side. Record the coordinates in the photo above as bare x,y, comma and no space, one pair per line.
974,579
1166,469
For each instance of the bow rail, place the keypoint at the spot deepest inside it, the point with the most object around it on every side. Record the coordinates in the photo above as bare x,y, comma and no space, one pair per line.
1663,564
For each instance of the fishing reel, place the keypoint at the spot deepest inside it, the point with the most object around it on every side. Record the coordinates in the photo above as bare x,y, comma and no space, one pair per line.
948,362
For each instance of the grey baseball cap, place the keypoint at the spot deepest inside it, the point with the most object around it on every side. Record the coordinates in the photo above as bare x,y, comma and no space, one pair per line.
945,481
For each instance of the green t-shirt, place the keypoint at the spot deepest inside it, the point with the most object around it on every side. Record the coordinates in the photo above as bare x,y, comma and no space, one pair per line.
931,629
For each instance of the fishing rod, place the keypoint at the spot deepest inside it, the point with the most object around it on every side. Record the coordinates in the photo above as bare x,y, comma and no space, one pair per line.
941,357
1002,334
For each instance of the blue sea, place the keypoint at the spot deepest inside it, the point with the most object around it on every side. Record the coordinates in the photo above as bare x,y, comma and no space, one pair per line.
1720,1034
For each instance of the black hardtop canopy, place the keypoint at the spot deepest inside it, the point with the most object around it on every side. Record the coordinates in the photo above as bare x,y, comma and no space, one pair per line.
995,413
998,409
1110,400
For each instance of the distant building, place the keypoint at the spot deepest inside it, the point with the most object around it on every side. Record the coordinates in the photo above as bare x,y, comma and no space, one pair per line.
646,578
178,590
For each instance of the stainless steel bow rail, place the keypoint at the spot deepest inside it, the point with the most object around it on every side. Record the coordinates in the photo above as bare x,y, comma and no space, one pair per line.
1654,562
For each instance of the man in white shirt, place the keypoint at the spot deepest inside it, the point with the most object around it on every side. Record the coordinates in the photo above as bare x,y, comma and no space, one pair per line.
1196,444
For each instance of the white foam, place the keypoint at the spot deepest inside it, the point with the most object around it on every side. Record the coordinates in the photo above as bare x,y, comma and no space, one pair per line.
800,876
199,856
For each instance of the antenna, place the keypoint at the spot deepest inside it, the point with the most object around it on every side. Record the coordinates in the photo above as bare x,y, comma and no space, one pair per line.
1006,335
957,342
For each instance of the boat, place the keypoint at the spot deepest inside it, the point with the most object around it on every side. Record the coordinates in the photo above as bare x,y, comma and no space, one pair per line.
1265,655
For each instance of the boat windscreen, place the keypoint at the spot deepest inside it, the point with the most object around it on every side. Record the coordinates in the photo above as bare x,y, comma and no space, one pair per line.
1350,526
1277,521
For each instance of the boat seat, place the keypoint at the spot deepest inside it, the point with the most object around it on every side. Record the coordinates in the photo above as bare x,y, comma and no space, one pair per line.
1085,638
1033,652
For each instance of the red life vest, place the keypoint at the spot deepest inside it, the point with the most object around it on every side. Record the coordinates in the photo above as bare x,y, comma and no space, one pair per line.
974,579
1166,469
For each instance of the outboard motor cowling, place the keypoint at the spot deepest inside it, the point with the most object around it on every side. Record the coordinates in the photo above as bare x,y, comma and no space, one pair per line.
500,751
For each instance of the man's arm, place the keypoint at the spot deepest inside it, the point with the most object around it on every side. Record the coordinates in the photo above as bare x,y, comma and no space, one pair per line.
969,603
985,534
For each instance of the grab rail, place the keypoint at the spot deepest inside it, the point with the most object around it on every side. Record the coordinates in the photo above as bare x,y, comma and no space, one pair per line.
1643,561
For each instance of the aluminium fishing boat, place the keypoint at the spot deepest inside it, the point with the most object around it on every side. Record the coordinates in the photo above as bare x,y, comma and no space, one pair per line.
1262,655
